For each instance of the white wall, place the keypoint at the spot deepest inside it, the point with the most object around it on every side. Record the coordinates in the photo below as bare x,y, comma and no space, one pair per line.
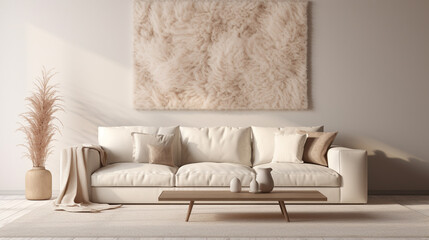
368,80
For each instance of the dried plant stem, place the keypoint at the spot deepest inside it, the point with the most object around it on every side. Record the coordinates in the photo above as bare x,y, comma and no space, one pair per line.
39,121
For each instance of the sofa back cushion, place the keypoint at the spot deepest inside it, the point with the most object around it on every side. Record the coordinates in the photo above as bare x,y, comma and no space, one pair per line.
216,144
263,141
118,142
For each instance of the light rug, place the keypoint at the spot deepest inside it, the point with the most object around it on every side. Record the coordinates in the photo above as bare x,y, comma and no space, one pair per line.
373,220
223,54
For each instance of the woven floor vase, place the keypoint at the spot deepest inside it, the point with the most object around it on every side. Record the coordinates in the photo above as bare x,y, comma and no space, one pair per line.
38,184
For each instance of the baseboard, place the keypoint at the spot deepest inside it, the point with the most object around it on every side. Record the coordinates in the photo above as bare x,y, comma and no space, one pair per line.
12,192
398,192
22,192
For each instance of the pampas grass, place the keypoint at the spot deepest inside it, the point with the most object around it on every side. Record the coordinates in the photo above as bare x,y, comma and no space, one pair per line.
39,121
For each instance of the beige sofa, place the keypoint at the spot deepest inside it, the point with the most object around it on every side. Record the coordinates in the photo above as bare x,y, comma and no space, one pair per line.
208,158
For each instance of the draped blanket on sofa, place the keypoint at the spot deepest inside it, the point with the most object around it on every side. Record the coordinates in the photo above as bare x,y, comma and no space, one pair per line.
74,182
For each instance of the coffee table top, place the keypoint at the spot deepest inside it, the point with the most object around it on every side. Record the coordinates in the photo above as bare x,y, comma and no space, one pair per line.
196,195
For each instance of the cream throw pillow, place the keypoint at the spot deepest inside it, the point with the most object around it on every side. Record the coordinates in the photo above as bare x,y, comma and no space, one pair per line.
142,141
288,148
316,147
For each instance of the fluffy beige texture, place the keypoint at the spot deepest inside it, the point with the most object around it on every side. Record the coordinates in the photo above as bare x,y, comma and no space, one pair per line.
224,54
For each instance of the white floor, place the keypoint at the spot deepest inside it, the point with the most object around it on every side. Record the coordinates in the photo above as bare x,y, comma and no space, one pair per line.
14,206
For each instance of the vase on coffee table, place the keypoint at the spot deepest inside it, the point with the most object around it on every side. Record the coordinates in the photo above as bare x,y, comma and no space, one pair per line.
264,179
235,185
254,186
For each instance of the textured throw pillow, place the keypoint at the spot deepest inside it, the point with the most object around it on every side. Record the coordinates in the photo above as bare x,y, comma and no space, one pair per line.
316,146
142,141
288,148
161,154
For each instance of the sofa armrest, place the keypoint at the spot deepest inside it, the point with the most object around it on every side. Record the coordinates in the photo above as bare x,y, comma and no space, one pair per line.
351,164
92,157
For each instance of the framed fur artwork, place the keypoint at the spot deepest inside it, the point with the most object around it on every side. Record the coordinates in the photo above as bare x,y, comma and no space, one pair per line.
220,54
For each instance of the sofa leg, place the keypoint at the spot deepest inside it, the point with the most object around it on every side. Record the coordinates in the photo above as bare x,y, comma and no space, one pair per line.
191,204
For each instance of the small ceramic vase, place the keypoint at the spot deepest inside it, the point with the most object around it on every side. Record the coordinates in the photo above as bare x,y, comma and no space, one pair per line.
38,184
265,180
235,185
254,186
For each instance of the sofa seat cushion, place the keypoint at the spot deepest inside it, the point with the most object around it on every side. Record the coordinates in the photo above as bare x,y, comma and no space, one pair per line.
302,175
134,174
213,174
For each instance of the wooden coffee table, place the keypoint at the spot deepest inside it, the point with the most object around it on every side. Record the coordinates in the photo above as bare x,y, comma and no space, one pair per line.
220,196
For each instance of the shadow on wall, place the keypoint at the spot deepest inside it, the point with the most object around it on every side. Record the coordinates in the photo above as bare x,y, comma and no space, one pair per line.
86,110
398,173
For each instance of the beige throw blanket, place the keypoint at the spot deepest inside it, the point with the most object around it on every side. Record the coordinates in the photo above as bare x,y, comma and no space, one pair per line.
74,189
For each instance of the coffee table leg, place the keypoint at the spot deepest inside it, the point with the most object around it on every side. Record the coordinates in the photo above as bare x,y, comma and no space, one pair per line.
281,208
191,204
284,211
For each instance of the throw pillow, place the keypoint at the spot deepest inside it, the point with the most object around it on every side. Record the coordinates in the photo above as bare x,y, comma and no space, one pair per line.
161,154
288,148
316,147
141,142
263,141
118,143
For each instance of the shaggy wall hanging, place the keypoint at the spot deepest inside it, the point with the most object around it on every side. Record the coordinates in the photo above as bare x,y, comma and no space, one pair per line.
220,54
